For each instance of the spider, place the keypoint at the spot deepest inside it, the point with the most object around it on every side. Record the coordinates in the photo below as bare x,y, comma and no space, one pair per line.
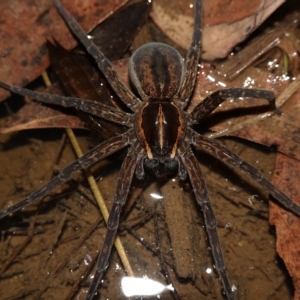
159,135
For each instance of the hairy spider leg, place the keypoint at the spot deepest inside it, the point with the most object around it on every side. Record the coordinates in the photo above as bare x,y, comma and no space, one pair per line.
99,152
120,88
183,95
134,157
201,194
233,160
210,103
92,107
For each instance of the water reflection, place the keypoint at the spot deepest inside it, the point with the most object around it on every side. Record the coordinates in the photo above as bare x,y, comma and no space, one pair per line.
133,286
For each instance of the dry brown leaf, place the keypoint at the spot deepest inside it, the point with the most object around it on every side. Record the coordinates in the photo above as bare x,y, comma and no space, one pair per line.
25,26
286,177
34,115
225,30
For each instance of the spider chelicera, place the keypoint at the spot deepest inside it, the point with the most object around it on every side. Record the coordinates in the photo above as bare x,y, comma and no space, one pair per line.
159,135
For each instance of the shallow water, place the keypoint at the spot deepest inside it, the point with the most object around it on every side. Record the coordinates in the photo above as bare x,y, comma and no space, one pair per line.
164,238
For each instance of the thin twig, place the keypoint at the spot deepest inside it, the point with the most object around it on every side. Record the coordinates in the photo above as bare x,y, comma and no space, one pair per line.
95,190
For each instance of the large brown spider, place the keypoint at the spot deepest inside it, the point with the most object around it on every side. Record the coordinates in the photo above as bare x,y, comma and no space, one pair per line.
159,134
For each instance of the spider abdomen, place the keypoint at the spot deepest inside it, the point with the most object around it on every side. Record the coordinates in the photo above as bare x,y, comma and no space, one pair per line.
156,71
160,127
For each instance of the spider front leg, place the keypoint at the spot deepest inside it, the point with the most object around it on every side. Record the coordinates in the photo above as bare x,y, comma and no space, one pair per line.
192,58
120,88
92,107
210,103
202,198
133,158
91,157
213,147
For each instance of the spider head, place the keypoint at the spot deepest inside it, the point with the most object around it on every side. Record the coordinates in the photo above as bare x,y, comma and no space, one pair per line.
163,167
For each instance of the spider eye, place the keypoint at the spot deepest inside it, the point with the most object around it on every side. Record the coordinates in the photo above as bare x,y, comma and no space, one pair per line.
162,168
156,70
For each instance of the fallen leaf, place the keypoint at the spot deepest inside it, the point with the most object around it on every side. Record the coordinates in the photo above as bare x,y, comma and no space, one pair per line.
79,78
286,177
25,26
222,31
34,115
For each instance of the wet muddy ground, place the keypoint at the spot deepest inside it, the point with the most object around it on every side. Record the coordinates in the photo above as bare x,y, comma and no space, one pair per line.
47,249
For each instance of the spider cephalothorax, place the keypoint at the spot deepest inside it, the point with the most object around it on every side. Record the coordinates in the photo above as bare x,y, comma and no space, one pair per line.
159,134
